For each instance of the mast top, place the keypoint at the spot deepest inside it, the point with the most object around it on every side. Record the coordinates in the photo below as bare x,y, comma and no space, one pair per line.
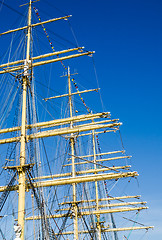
29,3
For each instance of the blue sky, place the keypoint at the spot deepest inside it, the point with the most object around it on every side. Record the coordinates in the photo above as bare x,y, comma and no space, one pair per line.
127,39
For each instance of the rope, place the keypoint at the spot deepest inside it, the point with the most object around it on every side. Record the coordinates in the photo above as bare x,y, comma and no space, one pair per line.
47,35
76,86
31,144
121,139
133,226
41,206
97,82
91,215
64,222
8,106
11,149
10,8
111,215
3,237
85,224
6,192
73,34
46,229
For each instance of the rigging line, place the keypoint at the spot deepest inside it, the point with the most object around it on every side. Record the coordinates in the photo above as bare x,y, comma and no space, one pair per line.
9,94
31,145
3,237
39,203
49,81
32,235
11,8
59,37
80,95
9,72
15,41
12,147
29,152
85,192
1,5
6,192
116,181
56,157
101,152
64,223
40,100
64,39
20,47
41,206
45,108
101,165
11,43
53,159
105,236
57,187
56,35
133,225
68,22
121,139
37,13
35,94
6,113
46,157
61,198
91,215
70,28
53,219
9,158
107,192
42,83
85,223
48,87
143,235
97,82
56,92
73,33
55,195
50,4
5,53
133,221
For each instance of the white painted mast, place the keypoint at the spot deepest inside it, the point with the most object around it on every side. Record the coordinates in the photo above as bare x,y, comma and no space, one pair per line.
72,143
21,190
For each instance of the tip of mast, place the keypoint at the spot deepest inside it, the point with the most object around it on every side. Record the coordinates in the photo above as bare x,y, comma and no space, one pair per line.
29,3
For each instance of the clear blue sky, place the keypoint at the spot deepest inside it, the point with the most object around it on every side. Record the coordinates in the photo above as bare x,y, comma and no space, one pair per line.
127,38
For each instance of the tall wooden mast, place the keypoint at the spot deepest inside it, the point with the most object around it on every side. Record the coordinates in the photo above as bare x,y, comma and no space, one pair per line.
96,188
21,201
75,211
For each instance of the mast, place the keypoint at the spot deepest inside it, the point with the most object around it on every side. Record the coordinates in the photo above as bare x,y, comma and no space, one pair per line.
21,199
72,143
96,188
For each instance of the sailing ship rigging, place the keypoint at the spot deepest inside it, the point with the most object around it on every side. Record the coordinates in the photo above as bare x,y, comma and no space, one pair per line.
68,196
